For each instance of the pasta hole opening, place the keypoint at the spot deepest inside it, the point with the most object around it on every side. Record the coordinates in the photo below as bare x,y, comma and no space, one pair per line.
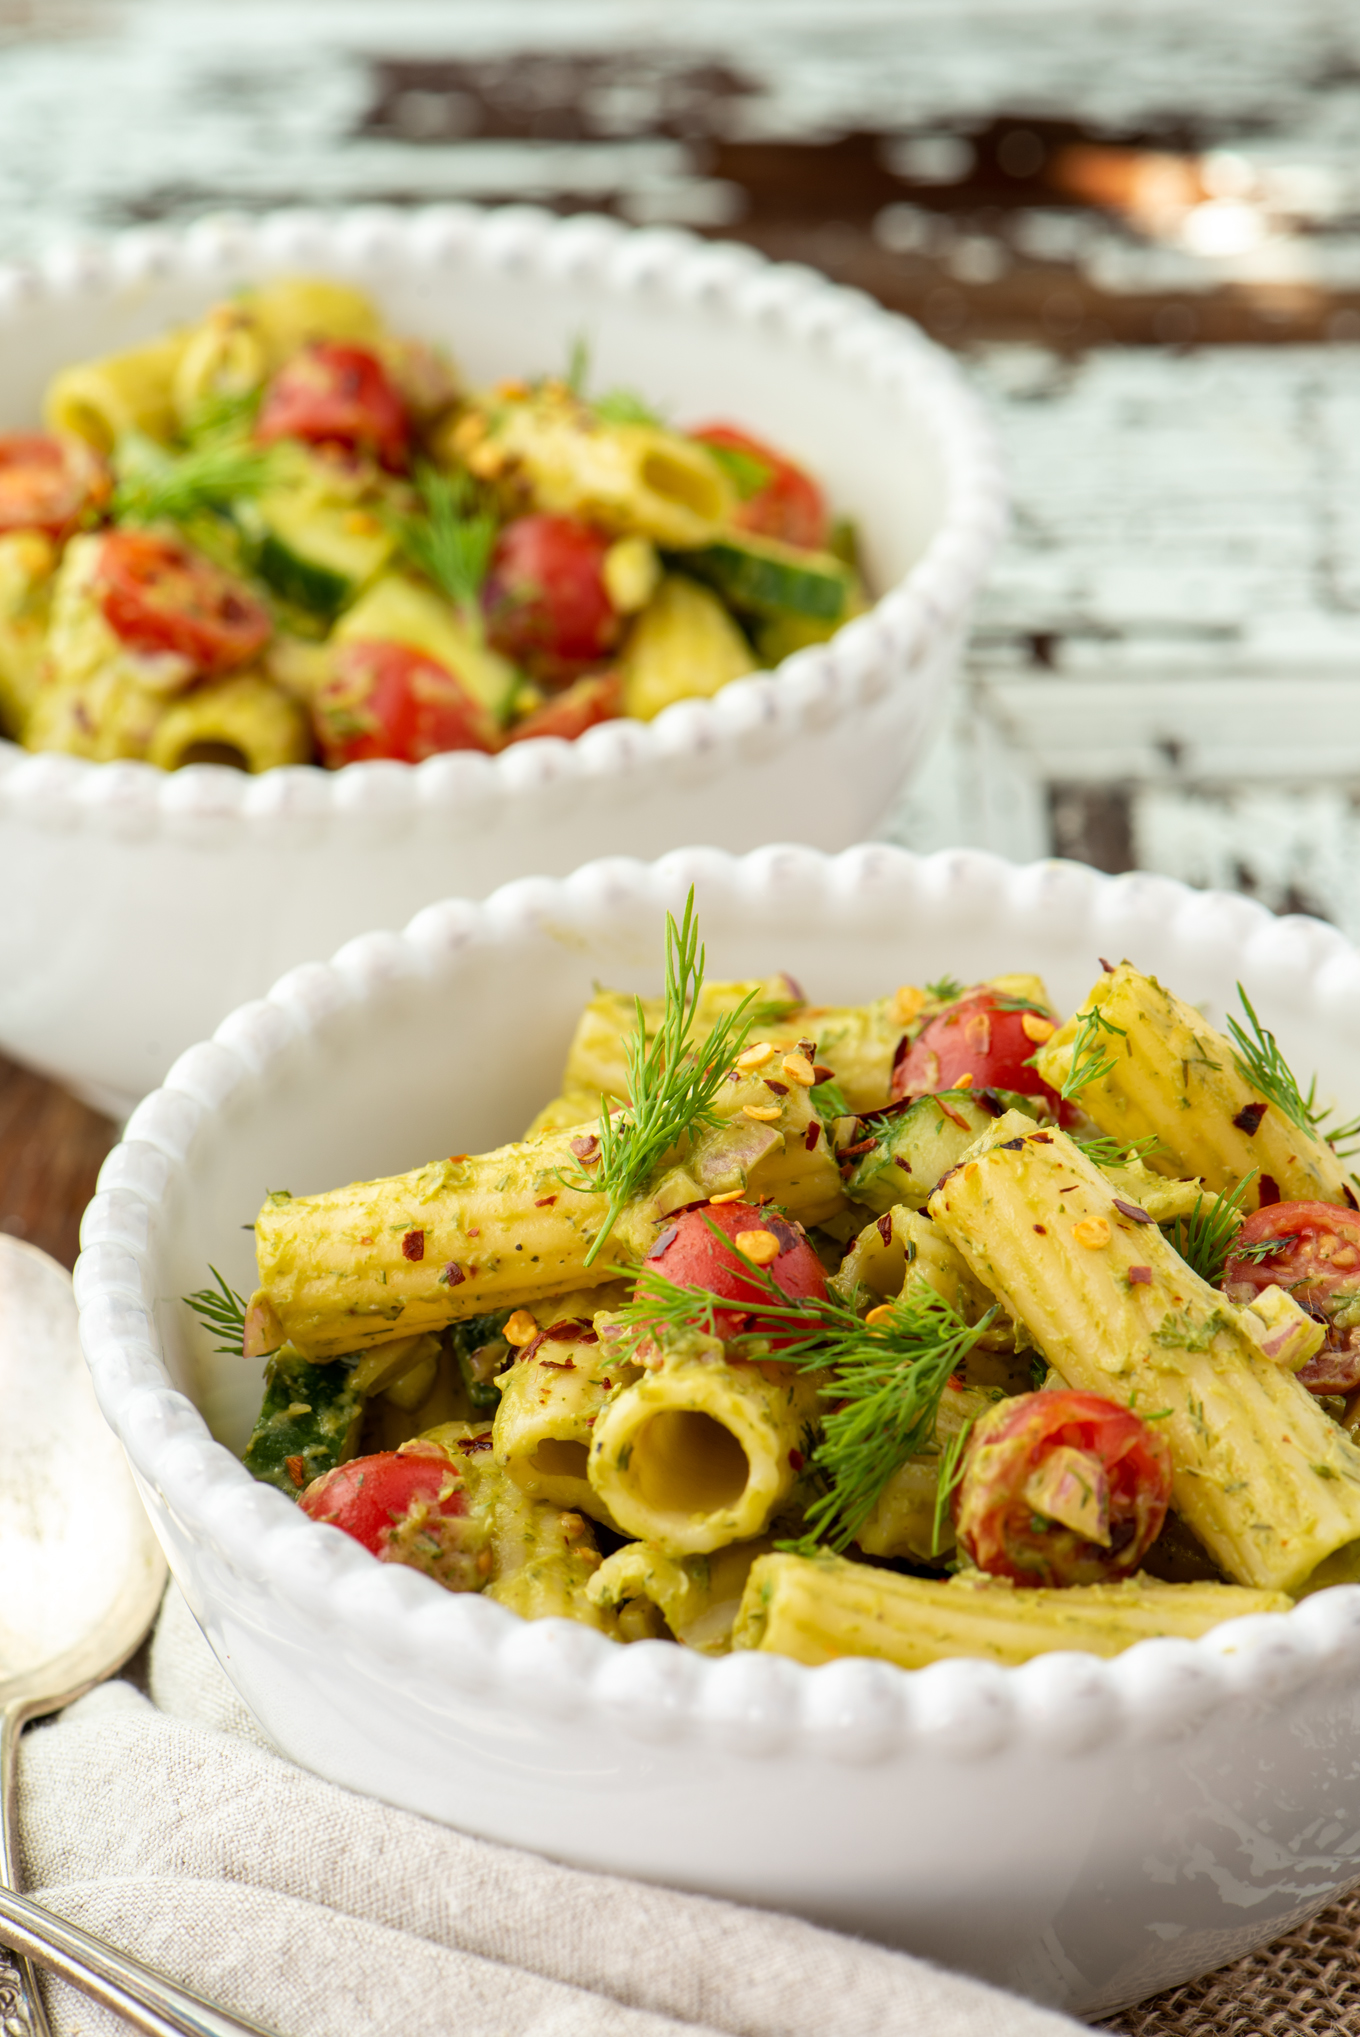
557,1457
83,419
677,481
209,752
685,1462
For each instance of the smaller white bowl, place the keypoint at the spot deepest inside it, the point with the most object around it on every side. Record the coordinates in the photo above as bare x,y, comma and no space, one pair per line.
138,907
1084,1831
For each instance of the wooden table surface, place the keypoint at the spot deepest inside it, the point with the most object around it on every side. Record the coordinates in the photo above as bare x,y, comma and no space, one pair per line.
1138,226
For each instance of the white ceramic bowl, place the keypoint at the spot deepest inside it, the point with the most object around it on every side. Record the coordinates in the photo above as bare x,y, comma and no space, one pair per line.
138,906
1085,1831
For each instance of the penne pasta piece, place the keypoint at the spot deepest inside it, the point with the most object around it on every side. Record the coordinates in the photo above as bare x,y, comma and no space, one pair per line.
698,1453
820,1608
356,1266
102,401
696,1597
1262,1475
548,450
243,721
684,646
1175,1077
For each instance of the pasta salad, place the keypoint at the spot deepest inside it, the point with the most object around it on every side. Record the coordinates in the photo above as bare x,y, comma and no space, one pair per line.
285,534
935,1326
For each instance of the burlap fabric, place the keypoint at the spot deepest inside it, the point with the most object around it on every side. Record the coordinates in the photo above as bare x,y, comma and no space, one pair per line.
162,1821
1304,1985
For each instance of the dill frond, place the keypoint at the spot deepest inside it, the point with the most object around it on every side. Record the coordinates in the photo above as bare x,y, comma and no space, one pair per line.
1265,1248
624,406
747,474
1204,1238
154,486
671,1082
1107,1152
1260,1062
945,991
1088,1063
947,1478
828,1101
222,1311
452,539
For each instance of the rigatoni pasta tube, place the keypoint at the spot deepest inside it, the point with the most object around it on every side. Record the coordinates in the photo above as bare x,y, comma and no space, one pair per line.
1265,1479
856,1042
698,1452
819,1608
1176,1079
100,401
243,721
698,1597
551,1397
358,1265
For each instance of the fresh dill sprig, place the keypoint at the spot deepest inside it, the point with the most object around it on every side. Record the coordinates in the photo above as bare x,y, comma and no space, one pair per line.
1204,1238
1265,1248
578,366
451,540
885,1378
1107,1152
671,1082
154,486
223,1311
222,416
947,1478
828,1101
1088,1063
747,474
945,990
1260,1062
624,406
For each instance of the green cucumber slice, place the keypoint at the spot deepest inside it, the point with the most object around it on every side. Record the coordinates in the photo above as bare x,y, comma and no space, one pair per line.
310,552
914,1148
758,577
310,1413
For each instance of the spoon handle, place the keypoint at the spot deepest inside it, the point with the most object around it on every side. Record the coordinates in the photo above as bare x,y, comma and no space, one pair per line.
149,2000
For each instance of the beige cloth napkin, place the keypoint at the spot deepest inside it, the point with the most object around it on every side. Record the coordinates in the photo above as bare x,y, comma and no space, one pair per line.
168,1825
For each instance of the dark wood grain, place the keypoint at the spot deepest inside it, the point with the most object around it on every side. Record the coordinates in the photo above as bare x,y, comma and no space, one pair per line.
51,1150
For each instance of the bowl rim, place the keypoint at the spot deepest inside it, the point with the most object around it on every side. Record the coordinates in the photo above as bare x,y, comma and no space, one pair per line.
841,327
855,1708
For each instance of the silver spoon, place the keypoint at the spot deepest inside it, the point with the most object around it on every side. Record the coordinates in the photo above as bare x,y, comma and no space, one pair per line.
83,1575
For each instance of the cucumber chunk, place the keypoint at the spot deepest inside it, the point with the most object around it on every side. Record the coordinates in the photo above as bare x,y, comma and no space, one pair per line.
761,578
913,1147
309,1420
315,554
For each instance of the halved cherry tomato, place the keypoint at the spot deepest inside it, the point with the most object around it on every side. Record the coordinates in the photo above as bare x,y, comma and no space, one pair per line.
48,483
387,700
687,1253
1316,1256
333,394
583,704
544,597
159,594
1061,1488
404,1508
786,503
984,1036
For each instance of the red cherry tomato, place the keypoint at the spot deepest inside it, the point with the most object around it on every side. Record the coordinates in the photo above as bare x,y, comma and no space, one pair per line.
979,1036
583,704
1061,1488
787,505
47,483
404,1508
544,597
158,594
386,700
331,394
687,1253
1317,1258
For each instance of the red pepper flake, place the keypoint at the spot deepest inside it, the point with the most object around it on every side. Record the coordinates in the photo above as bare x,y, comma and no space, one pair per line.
796,1459
1349,1194
413,1245
1268,1191
296,1467
470,1444
453,1275
558,1364
572,1330
1042,1230
776,1088
954,1116
898,1161
812,1134
457,1159
474,1234
862,1146
1108,967
1248,1119
1041,1138
1131,1210
545,1202
884,1228
808,1049
821,1074
1140,1276
586,1149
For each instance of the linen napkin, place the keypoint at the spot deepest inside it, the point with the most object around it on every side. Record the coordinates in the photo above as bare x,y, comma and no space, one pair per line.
167,1824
